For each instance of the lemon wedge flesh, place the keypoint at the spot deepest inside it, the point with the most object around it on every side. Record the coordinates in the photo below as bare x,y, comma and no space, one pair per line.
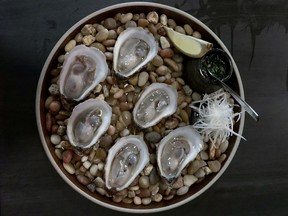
188,45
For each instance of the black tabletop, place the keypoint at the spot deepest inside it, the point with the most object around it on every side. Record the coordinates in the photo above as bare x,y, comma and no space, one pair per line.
255,32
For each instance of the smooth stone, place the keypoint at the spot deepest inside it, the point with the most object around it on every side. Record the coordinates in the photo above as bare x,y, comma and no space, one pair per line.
58,153
154,176
91,187
110,23
189,180
153,137
195,165
146,201
143,22
157,61
178,183
162,70
87,164
144,192
137,200
182,191
163,19
166,53
69,168
144,182
200,173
70,45
101,154
55,139
164,42
118,94
188,29
143,78
102,35
101,191
93,169
215,165
171,64
67,156
99,182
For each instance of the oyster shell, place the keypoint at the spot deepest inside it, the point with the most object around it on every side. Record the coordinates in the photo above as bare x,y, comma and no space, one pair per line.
83,69
134,48
176,150
156,102
88,121
125,160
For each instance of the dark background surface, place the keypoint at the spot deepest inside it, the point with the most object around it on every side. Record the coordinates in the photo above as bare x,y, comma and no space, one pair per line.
255,183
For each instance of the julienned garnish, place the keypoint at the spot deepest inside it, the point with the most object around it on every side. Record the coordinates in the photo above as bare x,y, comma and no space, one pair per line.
216,116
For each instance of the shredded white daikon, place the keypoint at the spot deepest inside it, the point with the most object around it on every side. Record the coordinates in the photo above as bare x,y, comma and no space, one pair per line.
216,116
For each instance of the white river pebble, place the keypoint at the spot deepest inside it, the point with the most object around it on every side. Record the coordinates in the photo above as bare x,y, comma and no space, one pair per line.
215,165
84,158
93,169
70,45
137,200
144,182
143,78
189,180
55,139
69,168
164,42
182,190
146,201
100,166
87,164
101,191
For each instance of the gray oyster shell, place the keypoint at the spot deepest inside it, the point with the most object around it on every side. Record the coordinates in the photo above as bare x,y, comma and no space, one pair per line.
83,69
176,150
158,100
125,160
134,48
88,122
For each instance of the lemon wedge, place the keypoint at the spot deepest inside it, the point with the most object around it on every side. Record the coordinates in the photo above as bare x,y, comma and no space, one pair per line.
188,45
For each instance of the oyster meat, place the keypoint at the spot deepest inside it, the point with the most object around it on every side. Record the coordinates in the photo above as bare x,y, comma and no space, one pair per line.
134,48
88,122
158,100
125,160
176,150
83,69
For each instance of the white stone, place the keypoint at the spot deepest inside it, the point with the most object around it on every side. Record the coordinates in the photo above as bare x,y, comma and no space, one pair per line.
189,180
93,169
182,190
164,42
87,164
69,168
84,158
143,78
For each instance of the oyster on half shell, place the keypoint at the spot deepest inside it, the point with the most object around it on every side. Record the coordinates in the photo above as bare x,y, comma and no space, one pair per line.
134,48
88,122
158,100
83,69
176,150
125,160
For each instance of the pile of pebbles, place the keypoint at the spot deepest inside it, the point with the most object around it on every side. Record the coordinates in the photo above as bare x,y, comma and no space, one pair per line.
121,94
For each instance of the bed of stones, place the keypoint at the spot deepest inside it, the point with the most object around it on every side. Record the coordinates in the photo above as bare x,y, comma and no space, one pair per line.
121,94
